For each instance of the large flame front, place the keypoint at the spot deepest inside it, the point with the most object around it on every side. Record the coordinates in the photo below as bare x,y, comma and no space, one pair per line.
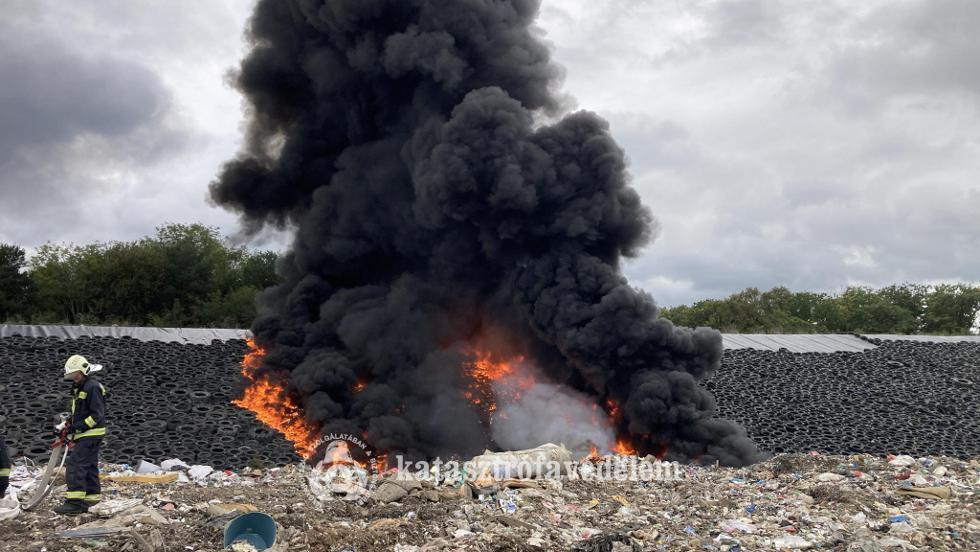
273,406
489,379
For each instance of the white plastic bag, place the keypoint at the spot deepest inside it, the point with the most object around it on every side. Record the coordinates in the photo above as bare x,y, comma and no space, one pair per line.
9,505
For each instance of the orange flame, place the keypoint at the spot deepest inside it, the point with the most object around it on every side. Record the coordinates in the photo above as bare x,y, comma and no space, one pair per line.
273,406
484,371
624,447
594,455
613,406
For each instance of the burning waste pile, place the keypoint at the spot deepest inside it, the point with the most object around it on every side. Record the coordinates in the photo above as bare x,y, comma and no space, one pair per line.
454,281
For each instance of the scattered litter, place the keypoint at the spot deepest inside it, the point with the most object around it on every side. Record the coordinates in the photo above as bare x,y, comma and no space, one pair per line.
791,502
938,493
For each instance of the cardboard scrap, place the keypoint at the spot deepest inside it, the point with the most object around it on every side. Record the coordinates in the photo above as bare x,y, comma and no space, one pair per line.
936,493
148,479
621,499
220,509
520,484
387,523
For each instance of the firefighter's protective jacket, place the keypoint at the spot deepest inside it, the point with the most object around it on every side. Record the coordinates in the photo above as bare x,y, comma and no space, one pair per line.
87,409
4,459
4,467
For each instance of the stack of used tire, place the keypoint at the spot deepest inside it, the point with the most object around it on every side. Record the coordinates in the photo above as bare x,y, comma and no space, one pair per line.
167,400
902,397
172,400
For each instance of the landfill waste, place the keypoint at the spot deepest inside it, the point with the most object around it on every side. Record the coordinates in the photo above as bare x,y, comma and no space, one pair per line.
785,503
781,504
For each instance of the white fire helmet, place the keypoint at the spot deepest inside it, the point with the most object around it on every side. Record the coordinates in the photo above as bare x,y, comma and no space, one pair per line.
78,363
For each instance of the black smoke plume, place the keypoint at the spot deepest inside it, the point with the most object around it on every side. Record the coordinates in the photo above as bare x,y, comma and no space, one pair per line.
433,212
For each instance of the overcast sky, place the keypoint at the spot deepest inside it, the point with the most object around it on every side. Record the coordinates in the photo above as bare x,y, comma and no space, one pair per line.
807,143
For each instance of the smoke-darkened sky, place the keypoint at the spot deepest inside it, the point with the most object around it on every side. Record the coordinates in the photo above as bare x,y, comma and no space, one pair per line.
811,144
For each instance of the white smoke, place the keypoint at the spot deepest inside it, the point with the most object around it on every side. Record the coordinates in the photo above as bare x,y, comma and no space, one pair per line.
548,413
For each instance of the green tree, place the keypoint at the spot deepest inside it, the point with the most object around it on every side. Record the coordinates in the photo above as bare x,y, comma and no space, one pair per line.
951,309
899,309
63,291
16,287
866,311
185,275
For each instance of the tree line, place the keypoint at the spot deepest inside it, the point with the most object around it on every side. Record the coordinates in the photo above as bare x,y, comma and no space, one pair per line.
944,309
186,275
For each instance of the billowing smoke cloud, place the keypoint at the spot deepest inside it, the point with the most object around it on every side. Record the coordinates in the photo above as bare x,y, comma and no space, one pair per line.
398,137
548,413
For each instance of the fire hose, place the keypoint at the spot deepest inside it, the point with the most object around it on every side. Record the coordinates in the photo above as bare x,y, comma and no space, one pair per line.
59,451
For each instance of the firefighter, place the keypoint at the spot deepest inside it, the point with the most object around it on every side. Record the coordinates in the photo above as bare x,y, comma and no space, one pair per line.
4,467
86,428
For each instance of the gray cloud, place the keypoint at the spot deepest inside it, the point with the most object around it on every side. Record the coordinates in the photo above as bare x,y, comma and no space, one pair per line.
52,94
98,140
66,117
806,143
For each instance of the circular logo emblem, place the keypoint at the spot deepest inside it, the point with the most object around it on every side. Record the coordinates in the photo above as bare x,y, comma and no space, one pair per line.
343,468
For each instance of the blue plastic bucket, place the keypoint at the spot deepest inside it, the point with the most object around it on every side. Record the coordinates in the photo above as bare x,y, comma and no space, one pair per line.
255,528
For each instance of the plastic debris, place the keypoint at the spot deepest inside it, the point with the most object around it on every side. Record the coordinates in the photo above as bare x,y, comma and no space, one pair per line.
197,473
174,464
148,467
902,461
9,505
